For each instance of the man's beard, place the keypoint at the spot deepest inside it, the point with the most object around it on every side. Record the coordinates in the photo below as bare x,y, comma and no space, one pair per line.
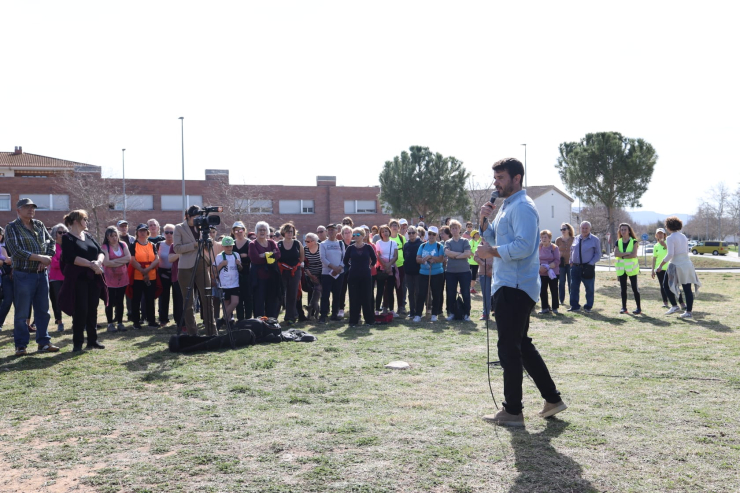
505,192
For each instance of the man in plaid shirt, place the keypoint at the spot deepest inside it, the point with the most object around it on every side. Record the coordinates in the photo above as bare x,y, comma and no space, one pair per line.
31,249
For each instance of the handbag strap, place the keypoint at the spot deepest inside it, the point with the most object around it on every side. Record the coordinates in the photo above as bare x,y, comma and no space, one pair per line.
580,252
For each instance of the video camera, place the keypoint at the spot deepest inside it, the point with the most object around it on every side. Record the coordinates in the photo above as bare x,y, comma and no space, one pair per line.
203,221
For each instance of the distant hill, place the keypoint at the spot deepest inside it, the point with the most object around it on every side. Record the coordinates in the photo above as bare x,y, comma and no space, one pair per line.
650,217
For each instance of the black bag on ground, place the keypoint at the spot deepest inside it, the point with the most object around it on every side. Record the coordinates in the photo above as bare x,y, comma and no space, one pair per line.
189,344
264,329
459,308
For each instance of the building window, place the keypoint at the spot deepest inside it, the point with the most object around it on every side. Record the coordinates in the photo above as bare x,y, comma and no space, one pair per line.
4,201
360,207
249,206
174,202
134,202
553,211
296,207
50,202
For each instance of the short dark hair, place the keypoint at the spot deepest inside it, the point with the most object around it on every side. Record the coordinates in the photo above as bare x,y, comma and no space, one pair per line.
511,165
76,215
193,210
673,223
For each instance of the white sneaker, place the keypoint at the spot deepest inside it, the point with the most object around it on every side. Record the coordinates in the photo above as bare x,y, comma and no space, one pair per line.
340,314
434,318
417,319
450,318
673,309
395,314
686,315
467,318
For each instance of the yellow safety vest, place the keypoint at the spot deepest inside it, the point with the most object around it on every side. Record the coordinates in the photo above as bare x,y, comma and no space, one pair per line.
629,265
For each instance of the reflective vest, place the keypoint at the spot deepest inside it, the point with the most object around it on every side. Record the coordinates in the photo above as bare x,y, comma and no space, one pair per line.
629,265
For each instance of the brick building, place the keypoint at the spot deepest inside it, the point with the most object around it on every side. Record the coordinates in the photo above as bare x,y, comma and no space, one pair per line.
45,180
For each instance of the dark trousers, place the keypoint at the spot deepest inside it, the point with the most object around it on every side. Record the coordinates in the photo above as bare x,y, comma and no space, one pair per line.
400,295
7,298
292,284
384,292
164,301
412,287
54,287
426,284
361,298
515,349
623,286
147,292
449,302
265,298
463,280
343,294
115,302
474,271
85,317
331,287
244,308
546,282
664,290
564,281
686,290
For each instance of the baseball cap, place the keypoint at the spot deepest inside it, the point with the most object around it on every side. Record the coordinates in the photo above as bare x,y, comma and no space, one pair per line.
474,232
227,241
403,221
433,229
660,230
142,226
331,226
23,202
238,224
122,221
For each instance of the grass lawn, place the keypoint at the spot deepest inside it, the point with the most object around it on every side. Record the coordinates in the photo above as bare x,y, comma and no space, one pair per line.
699,261
654,406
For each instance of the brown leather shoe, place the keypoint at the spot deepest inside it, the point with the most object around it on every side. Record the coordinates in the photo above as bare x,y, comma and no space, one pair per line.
20,351
502,418
48,348
552,409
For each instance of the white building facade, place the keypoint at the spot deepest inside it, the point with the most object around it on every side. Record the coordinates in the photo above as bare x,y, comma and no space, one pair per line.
553,206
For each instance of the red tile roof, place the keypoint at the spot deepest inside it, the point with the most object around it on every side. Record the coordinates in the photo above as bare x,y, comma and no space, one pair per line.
26,160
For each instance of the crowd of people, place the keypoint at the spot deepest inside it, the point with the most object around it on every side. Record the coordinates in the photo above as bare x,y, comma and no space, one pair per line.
379,273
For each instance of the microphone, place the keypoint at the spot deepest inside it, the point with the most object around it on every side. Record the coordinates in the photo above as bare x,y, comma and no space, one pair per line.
494,196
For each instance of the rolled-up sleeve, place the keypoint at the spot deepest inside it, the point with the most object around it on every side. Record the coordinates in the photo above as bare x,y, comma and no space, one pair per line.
490,234
523,221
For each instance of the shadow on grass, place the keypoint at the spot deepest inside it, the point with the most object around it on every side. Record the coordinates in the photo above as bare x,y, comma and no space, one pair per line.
37,361
540,466
707,324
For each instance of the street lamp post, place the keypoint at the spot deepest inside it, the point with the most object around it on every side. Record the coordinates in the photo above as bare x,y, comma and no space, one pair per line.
525,165
123,158
182,139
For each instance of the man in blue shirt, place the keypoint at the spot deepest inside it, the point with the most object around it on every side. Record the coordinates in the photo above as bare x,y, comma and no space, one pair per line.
513,242
589,246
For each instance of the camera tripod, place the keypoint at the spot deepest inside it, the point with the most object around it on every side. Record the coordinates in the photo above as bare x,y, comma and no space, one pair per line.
205,246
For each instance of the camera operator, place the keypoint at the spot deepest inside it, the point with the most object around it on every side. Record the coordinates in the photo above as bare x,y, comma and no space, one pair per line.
186,245
513,241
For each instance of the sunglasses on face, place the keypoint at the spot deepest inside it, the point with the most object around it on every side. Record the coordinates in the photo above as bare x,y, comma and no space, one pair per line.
356,235
412,232
169,232
432,234
563,229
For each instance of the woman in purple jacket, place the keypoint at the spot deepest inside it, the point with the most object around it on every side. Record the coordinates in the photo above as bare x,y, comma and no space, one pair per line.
549,272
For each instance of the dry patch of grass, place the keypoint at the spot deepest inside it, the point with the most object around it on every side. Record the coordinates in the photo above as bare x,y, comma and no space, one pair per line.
653,407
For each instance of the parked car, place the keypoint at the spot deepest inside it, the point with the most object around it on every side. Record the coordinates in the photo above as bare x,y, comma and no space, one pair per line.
713,247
